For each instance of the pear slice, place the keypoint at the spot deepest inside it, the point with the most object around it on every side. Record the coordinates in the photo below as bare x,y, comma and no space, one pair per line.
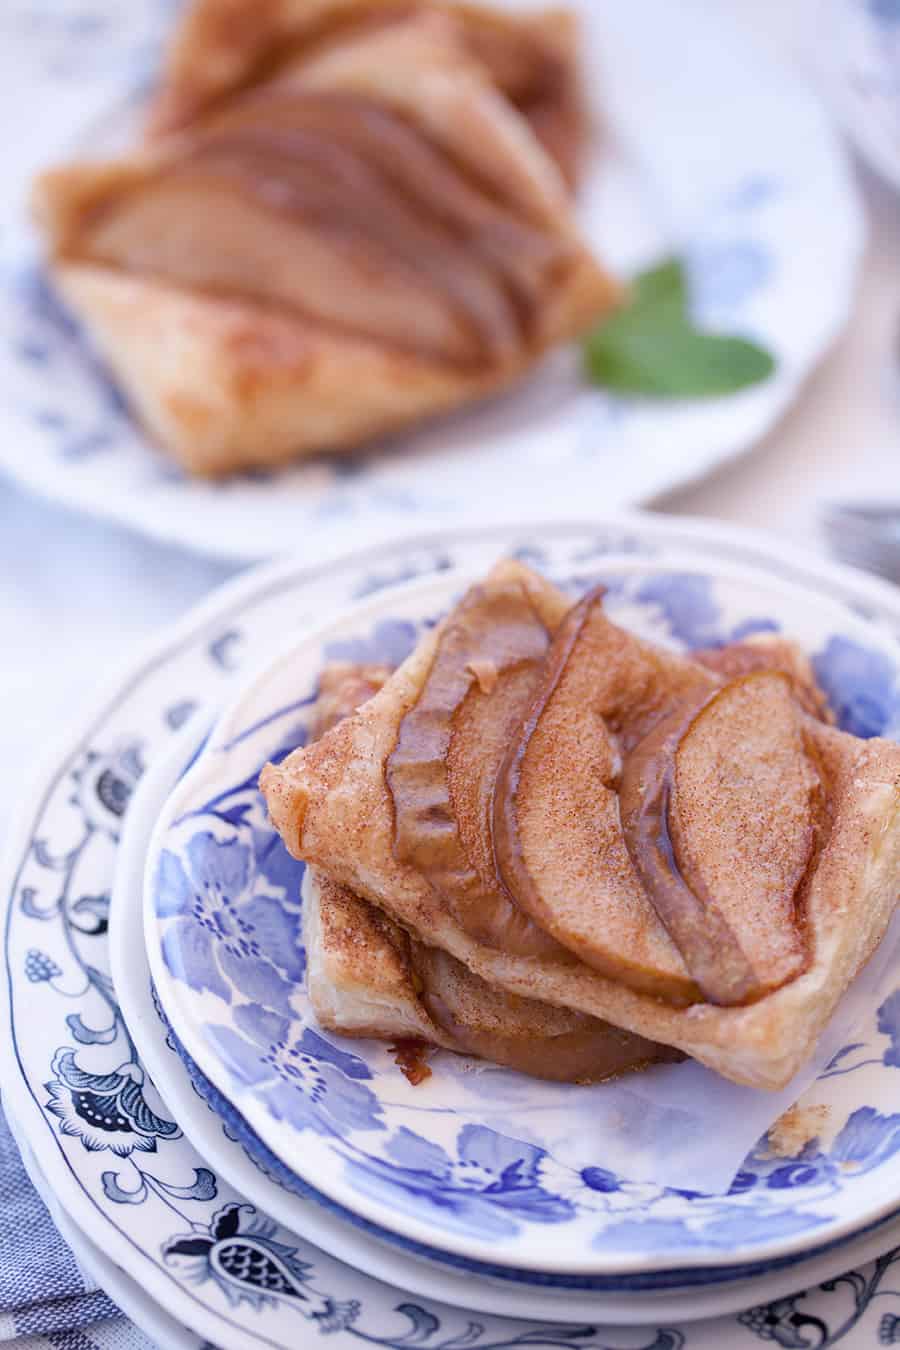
338,254
557,836
534,1038
441,772
333,204
720,807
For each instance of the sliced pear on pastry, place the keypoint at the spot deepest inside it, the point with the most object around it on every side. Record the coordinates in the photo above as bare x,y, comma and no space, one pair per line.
367,977
441,772
557,834
562,798
332,805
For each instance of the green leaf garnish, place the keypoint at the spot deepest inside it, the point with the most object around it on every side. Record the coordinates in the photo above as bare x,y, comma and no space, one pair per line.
652,347
664,284
675,362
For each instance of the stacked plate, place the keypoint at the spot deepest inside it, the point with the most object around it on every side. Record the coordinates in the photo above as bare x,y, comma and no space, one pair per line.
235,1175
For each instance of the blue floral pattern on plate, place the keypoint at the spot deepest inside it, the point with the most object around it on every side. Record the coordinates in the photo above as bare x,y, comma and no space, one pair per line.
136,1184
307,1082
485,1181
432,1164
225,931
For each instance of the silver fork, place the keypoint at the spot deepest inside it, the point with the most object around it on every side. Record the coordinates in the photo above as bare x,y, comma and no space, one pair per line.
866,534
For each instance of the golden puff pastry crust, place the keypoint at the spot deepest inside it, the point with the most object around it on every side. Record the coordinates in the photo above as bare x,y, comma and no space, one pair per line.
331,803
366,977
227,385
358,973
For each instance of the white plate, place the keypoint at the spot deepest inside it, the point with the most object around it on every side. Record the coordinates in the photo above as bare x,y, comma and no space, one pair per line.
506,1174
56,885
692,159
243,1163
858,47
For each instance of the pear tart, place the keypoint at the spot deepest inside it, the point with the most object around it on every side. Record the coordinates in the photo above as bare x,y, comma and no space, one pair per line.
707,859
358,206
368,977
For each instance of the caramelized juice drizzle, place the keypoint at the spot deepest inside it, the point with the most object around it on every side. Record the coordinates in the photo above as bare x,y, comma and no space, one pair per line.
411,1058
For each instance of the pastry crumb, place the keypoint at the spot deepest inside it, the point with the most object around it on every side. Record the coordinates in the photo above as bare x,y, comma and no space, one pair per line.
798,1127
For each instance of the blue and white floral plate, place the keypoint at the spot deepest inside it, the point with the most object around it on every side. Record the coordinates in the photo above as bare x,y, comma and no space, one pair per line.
499,1173
843,1310
105,1142
690,158
225,1142
133,1301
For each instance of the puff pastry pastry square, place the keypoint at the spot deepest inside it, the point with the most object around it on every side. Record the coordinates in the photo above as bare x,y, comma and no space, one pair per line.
794,848
347,216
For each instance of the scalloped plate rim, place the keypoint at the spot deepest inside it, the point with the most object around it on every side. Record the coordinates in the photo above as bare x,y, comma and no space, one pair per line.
628,1307
611,1264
